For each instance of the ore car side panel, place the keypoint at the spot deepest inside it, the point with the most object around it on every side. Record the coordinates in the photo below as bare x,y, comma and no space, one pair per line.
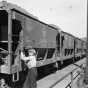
67,46
77,48
41,37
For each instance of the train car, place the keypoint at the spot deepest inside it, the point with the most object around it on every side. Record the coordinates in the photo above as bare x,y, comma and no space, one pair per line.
19,29
66,48
78,47
83,49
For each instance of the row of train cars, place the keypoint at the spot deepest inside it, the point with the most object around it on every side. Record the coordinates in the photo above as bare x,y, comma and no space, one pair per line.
19,29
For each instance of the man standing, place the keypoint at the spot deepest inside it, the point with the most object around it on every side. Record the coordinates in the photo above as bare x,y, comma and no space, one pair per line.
30,81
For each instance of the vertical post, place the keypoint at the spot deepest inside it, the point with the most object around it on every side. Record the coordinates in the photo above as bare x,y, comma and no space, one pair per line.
87,48
9,41
60,43
21,47
71,79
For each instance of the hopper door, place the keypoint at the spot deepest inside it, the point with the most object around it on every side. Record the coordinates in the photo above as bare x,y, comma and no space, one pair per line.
58,44
3,30
16,40
16,46
4,61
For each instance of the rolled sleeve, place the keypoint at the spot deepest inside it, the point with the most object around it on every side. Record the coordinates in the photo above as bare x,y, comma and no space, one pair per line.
23,57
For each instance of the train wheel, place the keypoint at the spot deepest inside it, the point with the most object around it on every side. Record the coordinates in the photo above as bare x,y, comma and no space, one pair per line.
47,69
73,60
68,61
59,65
54,67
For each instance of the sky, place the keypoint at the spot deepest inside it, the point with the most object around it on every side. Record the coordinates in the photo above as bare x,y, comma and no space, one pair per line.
69,15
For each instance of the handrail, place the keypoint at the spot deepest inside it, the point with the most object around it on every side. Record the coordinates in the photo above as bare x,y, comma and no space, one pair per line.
71,72
73,79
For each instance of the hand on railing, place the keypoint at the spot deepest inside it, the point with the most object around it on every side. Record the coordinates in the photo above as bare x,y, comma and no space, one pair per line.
82,71
79,72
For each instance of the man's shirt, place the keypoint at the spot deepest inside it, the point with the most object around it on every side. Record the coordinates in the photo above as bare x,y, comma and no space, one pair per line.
31,60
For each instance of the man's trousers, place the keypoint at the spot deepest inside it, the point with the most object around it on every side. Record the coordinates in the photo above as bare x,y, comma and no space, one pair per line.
31,77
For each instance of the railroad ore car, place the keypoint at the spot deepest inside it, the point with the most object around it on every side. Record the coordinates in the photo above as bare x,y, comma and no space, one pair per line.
66,50
83,48
19,29
78,47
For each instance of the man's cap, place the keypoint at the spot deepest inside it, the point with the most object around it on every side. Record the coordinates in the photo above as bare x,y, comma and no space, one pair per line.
32,51
29,47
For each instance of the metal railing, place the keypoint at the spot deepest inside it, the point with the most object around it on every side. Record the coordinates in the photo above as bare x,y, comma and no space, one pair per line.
71,72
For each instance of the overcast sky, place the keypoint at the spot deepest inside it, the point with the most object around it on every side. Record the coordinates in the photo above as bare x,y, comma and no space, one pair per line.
69,15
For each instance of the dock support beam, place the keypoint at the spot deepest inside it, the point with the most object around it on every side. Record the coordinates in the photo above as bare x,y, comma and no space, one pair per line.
71,79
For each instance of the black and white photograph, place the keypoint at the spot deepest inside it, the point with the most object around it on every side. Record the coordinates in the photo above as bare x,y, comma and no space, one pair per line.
43,44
